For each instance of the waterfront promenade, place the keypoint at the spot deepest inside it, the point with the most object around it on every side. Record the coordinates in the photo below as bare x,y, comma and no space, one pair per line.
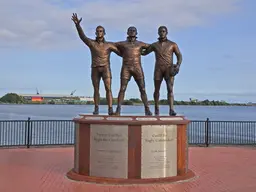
217,169
37,154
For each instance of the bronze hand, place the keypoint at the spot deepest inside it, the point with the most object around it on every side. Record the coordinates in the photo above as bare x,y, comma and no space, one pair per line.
75,19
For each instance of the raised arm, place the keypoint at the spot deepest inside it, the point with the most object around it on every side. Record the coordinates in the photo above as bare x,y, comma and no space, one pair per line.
80,31
178,54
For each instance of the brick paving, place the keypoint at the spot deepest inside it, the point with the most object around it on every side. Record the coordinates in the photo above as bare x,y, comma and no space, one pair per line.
218,169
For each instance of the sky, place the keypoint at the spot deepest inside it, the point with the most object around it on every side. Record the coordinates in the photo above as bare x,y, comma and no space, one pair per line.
40,48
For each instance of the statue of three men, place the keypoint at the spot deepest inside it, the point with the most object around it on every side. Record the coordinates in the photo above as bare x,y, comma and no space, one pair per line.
131,51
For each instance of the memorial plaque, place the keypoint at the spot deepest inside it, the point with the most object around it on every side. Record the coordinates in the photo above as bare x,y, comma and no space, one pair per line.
159,151
109,151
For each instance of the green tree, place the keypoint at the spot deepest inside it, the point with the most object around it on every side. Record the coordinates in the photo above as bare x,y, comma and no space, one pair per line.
135,100
127,102
89,102
103,101
52,102
12,98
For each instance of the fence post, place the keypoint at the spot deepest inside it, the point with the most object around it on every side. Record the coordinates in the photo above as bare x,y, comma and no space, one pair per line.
28,133
207,122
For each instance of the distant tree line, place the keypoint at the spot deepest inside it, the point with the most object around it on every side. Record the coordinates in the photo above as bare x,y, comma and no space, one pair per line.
14,98
136,101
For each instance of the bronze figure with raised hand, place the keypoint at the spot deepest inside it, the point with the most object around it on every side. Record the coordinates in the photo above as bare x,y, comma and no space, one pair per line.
100,66
164,67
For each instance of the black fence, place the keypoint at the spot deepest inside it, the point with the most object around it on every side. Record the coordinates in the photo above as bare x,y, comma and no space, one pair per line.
61,132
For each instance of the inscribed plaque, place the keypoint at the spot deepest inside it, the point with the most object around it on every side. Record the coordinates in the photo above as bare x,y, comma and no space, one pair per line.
109,151
158,151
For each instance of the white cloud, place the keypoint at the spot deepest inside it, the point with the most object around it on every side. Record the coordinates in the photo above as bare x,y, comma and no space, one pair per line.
47,23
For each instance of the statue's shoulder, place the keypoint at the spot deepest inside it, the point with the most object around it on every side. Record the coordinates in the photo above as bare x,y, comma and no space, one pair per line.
140,42
171,42
109,42
120,43
155,43
91,40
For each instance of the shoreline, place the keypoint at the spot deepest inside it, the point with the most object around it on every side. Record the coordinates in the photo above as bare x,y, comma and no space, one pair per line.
228,105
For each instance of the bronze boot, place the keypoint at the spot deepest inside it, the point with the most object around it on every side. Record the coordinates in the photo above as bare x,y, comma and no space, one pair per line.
110,111
156,110
118,111
147,111
96,110
172,112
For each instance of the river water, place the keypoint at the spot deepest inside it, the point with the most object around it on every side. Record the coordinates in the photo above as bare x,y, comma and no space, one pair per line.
62,132
67,112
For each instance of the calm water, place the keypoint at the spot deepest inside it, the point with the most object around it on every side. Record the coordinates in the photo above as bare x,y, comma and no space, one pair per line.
62,132
50,112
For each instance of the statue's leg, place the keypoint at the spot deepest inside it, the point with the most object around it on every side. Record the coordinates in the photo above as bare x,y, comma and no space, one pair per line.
141,84
170,96
158,78
157,84
96,85
125,78
107,79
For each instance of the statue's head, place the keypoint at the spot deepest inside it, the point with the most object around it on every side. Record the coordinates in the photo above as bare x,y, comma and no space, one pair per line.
162,32
132,31
100,32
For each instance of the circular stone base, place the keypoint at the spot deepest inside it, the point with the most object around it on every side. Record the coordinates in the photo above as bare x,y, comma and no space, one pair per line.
103,180
130,149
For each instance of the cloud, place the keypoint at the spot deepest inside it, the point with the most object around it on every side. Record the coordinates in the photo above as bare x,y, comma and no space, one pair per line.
47,23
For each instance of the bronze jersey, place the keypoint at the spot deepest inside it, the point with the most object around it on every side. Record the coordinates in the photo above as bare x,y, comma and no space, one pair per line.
163,52
100,52
131,52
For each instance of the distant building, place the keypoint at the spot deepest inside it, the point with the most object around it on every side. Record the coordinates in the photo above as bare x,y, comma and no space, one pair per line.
193,100
86,99
50,97
251,104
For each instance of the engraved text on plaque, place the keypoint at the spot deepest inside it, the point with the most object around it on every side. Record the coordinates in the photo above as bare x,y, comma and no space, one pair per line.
109,151
159,151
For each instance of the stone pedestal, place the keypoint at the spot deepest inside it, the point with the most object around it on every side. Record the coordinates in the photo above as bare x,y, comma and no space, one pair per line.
130,149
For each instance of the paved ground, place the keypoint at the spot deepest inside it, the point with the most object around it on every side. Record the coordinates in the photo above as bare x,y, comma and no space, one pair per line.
218,169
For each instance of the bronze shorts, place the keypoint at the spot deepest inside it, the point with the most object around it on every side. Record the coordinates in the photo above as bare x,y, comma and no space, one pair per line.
101,71
132,71
162,72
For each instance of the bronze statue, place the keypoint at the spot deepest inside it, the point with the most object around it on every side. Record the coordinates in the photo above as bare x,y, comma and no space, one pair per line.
100,66
164,67
131,52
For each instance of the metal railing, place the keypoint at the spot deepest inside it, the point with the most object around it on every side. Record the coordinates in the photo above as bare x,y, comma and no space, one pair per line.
61,132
